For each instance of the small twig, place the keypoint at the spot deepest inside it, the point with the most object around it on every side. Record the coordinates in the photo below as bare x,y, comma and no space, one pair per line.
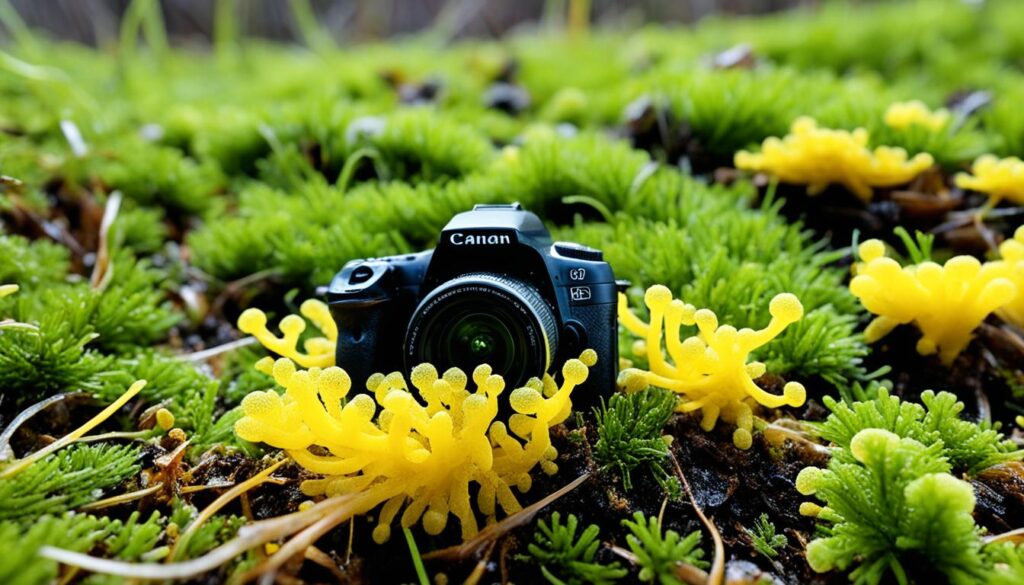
249,536
625,554
481,566
1015,536
202,356
122,498
773,432
76,434
103,271
132,435
23,416
74,138
491,533
191,489
661,512
717,574
324,560
219,503
311,534
351,538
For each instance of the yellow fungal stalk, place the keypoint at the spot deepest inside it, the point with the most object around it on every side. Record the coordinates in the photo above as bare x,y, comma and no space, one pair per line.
710,369
998,178
1011,267
903,115
818,157
421,450
7,290
319,351
946,302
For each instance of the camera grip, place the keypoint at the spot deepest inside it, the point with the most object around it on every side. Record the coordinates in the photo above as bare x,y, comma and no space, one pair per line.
364,344
601,324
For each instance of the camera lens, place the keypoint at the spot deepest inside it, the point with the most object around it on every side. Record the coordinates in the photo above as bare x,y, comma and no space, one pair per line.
484,319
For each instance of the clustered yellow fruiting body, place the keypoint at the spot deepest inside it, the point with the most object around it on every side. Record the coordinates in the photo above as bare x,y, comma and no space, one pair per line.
423,453
818,157
709,369
946,302
998,178
7,290
319,351
1011,267
903,115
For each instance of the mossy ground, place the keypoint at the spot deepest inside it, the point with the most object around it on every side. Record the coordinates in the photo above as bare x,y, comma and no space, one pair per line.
250,172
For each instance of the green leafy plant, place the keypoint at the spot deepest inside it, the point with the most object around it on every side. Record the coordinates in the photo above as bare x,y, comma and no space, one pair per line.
22,566
135,540
919,247
215,531
67,479
659,553
764,538
31,264
565,558
629,433
35,364
887,499
968,446
1006,562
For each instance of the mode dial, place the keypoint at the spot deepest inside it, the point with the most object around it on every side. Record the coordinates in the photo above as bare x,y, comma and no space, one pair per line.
578,252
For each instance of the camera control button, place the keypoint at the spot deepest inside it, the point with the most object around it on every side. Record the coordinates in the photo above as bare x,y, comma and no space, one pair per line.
573,335
578,252
360,275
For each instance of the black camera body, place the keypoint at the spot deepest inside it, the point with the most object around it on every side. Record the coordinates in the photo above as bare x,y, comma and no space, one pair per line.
495,290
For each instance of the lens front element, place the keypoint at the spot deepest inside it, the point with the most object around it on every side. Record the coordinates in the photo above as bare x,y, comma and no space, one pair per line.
484,319
482,337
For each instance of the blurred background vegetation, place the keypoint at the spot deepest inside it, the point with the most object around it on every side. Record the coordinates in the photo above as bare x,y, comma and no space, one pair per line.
191,21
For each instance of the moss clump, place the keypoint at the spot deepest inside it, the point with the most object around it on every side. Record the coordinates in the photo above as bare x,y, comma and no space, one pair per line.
629,433
886,499
565,558
659,552
968,446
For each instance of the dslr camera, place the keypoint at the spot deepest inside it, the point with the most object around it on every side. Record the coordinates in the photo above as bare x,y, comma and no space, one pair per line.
496,290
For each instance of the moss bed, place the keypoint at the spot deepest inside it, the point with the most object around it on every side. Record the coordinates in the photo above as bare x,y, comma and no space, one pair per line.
248,173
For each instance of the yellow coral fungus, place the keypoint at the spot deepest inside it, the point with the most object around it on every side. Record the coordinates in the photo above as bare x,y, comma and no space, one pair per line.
1011,267
319,351
946,302
903,115
710,369
421,452
818,157
998,178
7,290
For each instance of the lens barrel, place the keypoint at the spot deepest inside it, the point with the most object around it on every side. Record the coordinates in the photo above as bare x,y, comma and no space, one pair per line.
484,318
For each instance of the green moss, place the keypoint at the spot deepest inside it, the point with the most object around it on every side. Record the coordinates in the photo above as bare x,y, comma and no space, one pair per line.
764,538
37,364
31,264
889,499
659,552
156,175
629,433
22,565
968,446
567,559
65,480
